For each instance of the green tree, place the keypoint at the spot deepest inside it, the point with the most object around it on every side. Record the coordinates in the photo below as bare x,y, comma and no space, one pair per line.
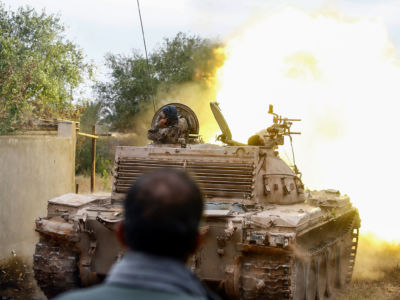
39,68
183,59
104,156
130,88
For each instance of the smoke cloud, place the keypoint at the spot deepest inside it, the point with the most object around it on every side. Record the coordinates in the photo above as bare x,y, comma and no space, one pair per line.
339,75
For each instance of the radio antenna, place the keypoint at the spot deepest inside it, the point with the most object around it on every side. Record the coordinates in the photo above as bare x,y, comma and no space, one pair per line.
147,57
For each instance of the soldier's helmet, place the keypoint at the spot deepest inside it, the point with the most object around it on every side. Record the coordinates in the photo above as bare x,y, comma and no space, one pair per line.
171,112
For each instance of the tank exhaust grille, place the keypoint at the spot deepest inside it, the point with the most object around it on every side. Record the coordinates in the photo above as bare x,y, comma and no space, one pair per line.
215,179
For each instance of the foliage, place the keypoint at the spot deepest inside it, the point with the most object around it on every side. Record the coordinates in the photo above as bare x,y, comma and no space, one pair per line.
128,89
179,60
39,68
104,157
183,59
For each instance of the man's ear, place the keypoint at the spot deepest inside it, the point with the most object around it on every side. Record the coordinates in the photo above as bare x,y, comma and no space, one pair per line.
120,232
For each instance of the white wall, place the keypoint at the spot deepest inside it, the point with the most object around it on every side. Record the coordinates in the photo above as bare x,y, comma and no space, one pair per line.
33,169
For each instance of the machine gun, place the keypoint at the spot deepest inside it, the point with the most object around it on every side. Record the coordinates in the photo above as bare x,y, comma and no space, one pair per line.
280,127
276,132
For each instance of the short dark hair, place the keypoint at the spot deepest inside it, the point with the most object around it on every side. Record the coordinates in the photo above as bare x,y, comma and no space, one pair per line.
162,214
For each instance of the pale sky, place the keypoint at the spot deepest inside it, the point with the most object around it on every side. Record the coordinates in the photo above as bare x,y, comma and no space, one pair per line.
102,26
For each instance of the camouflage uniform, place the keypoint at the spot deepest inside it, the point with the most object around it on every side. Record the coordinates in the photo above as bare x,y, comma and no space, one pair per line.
170,134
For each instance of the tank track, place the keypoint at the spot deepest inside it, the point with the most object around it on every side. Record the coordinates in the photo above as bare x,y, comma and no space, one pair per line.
55,265
267,278
353,253
291,275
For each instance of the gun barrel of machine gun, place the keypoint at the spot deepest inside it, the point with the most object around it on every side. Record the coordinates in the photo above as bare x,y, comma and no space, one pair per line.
292,120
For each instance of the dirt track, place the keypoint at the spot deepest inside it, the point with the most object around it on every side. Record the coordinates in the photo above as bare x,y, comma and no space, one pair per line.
371,290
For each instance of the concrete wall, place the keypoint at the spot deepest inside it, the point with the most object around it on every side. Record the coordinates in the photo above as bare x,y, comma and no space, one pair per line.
33,169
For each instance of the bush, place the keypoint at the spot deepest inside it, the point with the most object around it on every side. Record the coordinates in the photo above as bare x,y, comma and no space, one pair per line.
104,157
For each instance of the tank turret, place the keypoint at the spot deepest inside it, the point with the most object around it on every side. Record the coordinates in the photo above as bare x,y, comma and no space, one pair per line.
280,184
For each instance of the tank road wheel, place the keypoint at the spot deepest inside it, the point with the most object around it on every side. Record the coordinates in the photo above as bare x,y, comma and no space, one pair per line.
322,274
341,266
311,279
231,283
332,270
55,266
300,282
345,266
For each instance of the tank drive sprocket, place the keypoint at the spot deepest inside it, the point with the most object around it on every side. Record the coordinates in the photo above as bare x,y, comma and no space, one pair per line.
55,265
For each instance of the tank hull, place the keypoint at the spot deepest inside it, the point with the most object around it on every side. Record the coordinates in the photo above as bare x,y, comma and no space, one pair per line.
264,238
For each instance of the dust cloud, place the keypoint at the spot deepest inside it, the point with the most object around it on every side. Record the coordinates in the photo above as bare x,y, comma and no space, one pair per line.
377,259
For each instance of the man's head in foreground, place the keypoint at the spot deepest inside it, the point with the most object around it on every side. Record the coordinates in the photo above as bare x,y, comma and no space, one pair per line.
162,214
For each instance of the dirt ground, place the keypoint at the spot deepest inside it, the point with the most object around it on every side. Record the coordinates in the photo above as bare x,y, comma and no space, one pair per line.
17,281
371,290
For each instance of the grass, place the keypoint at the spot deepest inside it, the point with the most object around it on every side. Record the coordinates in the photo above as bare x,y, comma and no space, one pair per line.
101,184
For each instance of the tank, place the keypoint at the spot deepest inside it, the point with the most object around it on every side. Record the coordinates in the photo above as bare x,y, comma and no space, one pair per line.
265,236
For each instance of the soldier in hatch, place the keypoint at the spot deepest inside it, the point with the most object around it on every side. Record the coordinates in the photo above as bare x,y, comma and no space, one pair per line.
170,128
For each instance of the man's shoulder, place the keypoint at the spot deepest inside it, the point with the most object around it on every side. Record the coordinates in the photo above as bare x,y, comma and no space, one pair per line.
108,291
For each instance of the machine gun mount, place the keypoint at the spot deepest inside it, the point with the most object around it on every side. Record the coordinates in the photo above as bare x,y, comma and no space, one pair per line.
281,126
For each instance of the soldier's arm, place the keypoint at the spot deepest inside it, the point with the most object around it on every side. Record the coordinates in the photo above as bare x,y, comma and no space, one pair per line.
162,123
